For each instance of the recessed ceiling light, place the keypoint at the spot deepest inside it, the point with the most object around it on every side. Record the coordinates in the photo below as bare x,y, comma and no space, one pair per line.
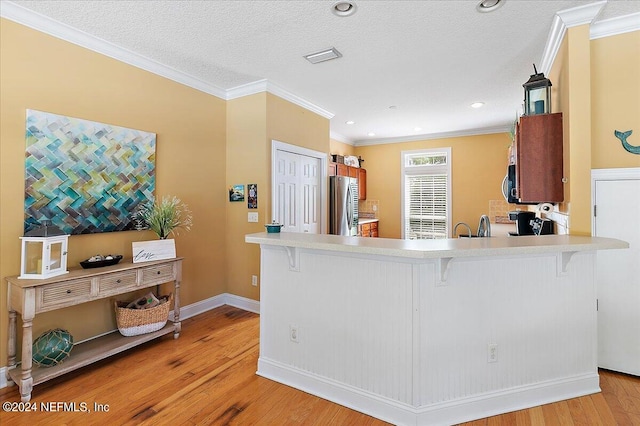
393,107
323,55
417,129
477,104
371,134
350,122
343,8
489,5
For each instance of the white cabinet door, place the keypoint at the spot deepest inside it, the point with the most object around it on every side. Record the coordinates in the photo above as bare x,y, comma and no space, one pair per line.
297,192
618,216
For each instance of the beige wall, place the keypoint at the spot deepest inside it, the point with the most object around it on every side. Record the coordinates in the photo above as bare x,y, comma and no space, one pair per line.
44,73
596,87
479,164
571,74
341,148
252,123
559,76
615,99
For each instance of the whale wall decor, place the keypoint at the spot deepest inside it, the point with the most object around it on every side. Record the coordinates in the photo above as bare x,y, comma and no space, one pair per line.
623,138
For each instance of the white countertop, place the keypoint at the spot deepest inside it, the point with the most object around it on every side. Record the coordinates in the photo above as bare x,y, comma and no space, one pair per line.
430,249
363,221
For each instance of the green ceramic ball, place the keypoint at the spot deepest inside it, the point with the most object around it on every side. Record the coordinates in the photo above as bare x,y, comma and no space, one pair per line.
52,347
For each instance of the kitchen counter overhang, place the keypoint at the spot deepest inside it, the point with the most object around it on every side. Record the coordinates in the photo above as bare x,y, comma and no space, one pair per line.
443,248
430,332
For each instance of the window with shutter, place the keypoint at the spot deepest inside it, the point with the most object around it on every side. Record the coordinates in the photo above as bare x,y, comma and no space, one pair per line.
426,193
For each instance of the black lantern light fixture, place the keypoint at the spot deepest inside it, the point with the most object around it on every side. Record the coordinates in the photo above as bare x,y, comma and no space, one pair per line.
537,94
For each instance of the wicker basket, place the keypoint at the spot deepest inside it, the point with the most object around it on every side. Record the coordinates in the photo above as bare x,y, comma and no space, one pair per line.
133,322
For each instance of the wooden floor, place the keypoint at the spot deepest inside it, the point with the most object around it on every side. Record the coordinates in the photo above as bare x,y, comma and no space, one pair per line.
208,377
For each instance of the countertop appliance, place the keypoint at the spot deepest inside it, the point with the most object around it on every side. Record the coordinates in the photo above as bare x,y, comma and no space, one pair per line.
343,205
542,226
528,224
523,222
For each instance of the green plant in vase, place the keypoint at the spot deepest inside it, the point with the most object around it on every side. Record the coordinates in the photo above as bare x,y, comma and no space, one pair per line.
163,218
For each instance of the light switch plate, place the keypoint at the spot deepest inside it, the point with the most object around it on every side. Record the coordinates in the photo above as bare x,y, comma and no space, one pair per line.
252,217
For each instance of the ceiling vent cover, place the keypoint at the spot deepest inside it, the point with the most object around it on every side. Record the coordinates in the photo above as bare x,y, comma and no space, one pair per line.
323,55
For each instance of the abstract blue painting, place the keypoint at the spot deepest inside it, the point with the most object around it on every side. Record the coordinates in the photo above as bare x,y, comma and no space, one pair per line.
83,176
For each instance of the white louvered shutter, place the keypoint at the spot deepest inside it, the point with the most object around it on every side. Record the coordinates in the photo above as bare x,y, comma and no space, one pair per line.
426,206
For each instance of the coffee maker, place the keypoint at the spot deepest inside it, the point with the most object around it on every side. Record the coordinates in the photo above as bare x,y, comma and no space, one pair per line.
528,224
523,222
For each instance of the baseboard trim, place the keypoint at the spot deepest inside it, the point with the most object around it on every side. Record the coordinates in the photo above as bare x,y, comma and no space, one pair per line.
451,412
187,311
242,303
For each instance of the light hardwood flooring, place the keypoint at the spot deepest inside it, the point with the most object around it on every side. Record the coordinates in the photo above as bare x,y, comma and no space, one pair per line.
208,377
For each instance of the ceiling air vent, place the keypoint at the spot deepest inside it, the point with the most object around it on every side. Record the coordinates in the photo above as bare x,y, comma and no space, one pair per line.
323,55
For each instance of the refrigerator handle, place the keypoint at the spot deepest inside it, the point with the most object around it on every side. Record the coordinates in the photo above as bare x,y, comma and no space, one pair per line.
349,208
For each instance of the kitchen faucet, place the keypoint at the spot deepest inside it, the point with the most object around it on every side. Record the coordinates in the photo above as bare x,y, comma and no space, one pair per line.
484,227
455,228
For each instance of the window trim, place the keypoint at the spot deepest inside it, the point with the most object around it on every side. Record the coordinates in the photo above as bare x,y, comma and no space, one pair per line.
425,169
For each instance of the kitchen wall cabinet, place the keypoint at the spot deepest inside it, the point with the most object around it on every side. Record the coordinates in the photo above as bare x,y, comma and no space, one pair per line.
539,165
369,229
339,169
362,184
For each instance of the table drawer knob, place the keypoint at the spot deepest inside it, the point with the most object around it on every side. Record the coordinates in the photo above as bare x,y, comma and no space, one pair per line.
158,272
68,291
118,281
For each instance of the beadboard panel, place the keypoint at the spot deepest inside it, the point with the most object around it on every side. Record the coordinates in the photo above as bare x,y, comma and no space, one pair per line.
542,331
354,325
406,340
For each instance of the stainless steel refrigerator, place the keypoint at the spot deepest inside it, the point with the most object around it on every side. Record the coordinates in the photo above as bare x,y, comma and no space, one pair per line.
343,200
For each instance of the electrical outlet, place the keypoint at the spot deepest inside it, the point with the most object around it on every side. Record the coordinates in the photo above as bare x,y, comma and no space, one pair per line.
254,280
492,352
252,217
293,334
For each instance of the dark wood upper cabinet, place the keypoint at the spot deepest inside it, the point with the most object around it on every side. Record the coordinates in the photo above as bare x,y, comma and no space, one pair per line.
362,184
539,165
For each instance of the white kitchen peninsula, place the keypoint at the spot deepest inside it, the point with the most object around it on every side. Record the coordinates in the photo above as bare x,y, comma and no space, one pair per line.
430,332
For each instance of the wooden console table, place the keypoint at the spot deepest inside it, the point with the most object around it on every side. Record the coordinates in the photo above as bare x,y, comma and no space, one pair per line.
30,297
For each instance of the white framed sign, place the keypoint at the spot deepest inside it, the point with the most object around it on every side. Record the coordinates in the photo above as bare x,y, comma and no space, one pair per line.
146,251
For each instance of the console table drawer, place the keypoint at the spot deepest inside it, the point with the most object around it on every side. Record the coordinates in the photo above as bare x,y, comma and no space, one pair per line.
116,283
158,274
66,293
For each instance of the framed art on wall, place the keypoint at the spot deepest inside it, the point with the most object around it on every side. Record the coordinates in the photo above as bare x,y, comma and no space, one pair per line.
252,199
236,193
84,176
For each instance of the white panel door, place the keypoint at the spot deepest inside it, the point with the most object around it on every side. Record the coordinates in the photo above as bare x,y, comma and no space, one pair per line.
618,216
310,186
287,187
297,192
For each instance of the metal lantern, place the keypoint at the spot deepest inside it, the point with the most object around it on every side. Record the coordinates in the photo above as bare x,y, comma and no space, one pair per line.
44,252
537,94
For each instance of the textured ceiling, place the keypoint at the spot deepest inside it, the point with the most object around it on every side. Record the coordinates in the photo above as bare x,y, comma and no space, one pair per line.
405,64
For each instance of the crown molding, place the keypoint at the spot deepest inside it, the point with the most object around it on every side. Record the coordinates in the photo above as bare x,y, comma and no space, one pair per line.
432,136
581,15
57,29
564,19
248,89
264,85
274,89
554,41
615,26
338,137
67,33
